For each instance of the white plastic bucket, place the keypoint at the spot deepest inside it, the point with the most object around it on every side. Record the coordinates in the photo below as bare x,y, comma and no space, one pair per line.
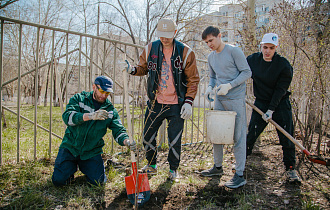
220,126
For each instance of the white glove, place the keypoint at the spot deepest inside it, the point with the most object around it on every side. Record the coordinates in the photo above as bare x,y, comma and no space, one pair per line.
186,111
207,94
223,89
129,68
100,114
268,115
131,144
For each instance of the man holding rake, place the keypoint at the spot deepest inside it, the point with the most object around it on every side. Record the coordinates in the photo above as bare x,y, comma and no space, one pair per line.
272,75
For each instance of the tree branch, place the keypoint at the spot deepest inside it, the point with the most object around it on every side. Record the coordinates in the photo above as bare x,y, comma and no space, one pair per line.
7,3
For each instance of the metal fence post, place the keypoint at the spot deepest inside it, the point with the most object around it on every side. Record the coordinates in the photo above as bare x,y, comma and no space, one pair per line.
51,95
1,73
19,88
35,94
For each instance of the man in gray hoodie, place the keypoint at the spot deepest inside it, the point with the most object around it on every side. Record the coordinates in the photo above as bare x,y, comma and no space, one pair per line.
228,71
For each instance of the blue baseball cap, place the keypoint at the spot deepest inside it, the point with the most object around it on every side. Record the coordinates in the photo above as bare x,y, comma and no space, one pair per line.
105,83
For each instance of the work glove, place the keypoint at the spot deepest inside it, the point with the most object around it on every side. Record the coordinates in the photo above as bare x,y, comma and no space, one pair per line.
268,115
186,111
100,114
208,93
131,144
223,89
129,68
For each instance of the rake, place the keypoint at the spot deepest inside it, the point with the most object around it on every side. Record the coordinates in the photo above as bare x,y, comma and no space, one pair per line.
311,157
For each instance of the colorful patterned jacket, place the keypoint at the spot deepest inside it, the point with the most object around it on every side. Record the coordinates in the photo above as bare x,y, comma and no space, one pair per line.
185,73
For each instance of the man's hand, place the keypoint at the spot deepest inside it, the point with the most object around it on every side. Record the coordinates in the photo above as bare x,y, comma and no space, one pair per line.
268,115
223,89
129,68
131,144
186,111
207,94
100,114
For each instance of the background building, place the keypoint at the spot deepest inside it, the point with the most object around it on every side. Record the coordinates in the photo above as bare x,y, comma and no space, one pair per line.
231,19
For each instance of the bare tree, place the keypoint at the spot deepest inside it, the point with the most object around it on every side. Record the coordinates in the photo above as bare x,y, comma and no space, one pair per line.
141,22
49,13
6,3
304,28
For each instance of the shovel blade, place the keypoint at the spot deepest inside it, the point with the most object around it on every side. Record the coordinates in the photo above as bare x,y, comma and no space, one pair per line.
143,191
142,198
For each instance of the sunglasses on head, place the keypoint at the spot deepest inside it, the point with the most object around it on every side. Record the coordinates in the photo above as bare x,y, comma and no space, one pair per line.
102,91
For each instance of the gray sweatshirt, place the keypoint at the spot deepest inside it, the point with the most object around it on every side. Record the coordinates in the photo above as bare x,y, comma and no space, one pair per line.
229,66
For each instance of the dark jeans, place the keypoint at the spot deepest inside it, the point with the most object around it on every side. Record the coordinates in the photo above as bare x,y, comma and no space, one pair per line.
66,165
154,116
282,116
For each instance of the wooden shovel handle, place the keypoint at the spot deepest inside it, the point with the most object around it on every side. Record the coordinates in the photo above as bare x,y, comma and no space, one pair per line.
280,129
128,112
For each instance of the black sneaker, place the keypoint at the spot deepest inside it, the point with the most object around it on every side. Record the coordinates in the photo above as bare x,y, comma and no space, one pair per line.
292,176
212,171
173,175
235,182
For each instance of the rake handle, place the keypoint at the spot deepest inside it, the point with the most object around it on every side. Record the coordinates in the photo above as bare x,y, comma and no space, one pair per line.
280,129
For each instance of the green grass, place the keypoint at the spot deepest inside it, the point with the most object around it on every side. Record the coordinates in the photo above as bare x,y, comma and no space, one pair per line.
26,135
22,184
308,204
27,184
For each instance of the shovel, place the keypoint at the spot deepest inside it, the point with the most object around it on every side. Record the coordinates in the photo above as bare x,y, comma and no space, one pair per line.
312,158
137,185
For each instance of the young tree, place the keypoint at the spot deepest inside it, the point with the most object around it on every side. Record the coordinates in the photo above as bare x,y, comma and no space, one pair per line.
304,28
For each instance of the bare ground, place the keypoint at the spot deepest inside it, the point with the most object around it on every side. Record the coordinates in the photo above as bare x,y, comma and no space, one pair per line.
266,188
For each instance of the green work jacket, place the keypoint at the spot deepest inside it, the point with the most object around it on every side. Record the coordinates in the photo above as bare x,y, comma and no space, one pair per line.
85,138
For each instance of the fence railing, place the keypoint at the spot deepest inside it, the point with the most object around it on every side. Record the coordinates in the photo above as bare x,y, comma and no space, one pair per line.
47,64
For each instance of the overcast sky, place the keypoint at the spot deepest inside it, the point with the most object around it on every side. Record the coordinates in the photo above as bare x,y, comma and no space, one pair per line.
219,3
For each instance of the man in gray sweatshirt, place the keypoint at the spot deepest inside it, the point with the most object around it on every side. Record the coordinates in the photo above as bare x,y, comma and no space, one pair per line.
228,71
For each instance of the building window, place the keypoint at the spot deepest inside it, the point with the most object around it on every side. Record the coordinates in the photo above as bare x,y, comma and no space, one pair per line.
224,36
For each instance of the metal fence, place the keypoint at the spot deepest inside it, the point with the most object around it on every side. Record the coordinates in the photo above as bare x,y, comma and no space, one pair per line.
55,64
